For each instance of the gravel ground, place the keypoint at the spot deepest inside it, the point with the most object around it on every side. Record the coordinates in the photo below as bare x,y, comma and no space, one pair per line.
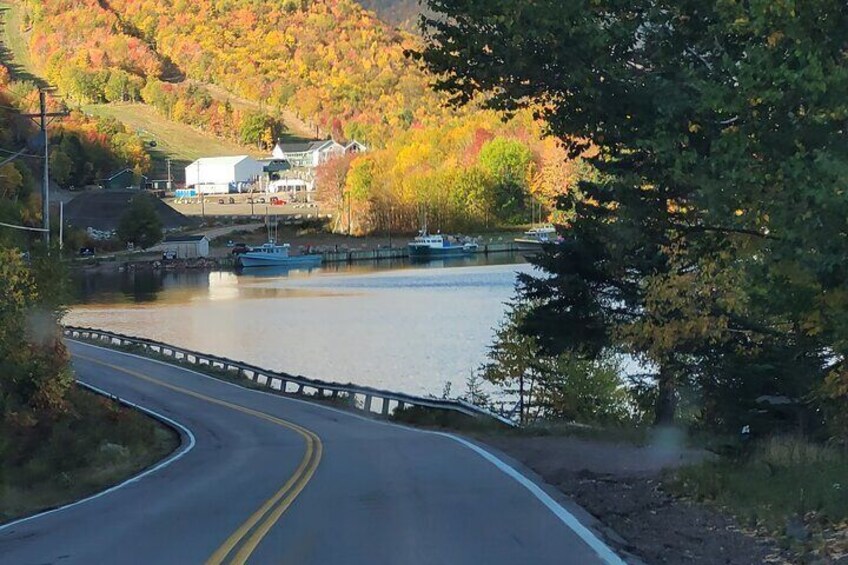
621,486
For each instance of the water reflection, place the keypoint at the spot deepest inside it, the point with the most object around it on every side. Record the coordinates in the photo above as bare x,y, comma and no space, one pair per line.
395,326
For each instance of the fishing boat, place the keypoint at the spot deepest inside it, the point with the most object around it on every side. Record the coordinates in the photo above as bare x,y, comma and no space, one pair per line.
429,245
533,239
272,255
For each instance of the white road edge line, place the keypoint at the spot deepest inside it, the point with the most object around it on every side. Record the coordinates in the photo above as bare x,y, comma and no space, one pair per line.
172,459
604,552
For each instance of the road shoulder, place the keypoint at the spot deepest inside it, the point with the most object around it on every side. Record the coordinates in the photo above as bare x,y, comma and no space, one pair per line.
622,488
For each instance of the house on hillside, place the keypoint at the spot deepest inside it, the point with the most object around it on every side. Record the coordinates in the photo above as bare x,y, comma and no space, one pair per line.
298,183
310,154
222,175
123,179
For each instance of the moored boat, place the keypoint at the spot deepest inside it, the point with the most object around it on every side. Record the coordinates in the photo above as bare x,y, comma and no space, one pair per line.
535,238
429,245
273,255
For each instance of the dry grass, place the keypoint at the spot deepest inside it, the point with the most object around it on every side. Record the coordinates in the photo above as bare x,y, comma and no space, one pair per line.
781,480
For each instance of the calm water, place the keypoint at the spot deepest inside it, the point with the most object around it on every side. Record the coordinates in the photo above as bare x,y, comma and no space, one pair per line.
400,327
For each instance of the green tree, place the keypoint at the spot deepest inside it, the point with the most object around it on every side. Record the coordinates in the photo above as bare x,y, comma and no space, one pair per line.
34,374
117,88
563,386
507,162
717,133
61,167
254,127
140,225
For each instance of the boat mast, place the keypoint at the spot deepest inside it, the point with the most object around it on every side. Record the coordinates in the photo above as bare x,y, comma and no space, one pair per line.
268,223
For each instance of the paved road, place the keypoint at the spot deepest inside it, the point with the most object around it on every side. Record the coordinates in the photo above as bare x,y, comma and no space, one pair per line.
274,480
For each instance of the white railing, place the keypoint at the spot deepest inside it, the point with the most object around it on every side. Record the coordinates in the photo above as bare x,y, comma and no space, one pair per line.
362,397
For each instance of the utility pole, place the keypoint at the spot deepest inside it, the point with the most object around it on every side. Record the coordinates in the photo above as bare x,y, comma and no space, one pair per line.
43,119
61,225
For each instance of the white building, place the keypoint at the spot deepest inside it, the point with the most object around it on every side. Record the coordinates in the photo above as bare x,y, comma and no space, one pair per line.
187,246
310,154
221,175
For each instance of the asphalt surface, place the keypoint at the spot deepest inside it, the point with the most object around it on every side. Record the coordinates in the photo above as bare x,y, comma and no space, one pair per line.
336,488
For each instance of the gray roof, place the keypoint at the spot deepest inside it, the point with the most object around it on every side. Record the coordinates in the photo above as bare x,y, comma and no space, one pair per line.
227,160
276,166
303,146
119,173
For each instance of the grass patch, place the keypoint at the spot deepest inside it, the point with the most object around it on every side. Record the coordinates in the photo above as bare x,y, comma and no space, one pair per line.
16,54
779,481
635,435
179,142
96,444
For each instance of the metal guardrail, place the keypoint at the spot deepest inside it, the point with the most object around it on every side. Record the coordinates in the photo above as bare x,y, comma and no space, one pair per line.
363,397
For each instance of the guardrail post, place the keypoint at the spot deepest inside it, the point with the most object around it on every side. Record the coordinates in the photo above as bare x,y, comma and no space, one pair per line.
368,399
385,408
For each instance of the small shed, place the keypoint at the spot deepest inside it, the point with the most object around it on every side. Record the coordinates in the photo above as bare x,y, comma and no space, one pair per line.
187,246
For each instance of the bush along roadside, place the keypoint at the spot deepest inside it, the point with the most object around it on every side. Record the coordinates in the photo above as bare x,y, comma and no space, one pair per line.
784,487
95,444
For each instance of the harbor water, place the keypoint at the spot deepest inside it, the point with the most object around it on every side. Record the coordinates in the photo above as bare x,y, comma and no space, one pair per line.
398,326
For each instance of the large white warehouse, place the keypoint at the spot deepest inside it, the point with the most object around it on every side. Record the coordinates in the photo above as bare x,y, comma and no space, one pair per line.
221,175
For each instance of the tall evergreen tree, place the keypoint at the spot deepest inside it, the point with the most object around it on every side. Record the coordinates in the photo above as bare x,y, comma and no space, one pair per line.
717,229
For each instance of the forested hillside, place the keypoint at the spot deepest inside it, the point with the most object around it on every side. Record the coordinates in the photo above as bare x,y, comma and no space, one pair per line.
329,63
403,13
84,150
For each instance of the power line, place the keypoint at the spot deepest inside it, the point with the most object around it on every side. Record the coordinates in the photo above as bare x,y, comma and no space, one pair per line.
24,228
21,153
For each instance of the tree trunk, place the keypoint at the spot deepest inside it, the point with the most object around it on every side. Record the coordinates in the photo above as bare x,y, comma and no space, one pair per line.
666,406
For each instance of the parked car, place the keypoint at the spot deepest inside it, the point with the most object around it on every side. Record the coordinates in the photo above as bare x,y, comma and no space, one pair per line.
240,248
262,201
86,252
232,200
169,255
275,201
221,201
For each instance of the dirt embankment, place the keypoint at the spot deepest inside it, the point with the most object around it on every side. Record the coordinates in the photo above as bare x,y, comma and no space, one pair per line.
622,486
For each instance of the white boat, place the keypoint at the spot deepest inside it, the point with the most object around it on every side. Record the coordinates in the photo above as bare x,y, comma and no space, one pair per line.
438,245
534,238
273,255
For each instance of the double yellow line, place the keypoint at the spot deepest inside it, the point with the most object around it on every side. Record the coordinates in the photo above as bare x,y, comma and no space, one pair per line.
244,541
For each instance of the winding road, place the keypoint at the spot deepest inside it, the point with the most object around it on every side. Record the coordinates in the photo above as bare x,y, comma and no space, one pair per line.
265,479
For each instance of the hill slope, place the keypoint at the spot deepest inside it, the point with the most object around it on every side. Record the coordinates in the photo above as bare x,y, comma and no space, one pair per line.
333,65
103,209
173,141
402,13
